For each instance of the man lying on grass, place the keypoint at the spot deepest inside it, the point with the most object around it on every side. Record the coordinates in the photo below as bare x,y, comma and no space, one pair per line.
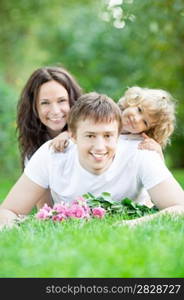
98,160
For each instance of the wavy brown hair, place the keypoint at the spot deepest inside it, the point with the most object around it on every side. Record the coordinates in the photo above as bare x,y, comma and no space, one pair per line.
31,132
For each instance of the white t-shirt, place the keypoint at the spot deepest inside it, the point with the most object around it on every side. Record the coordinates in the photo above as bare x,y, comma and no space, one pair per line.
131,171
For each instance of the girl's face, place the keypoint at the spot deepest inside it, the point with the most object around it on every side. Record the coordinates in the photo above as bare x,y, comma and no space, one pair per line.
53,106
136,120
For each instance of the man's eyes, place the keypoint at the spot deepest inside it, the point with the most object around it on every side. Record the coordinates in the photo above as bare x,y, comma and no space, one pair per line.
107,136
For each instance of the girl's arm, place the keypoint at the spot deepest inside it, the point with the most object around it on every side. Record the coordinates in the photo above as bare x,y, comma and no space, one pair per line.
60,142
150,144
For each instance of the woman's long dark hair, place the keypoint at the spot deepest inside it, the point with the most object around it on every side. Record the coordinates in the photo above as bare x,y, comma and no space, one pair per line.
31,132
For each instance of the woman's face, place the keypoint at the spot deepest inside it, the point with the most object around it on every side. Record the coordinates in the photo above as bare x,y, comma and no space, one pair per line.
53,106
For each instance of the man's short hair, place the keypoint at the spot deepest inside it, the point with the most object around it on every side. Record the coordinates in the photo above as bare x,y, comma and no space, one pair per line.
96,107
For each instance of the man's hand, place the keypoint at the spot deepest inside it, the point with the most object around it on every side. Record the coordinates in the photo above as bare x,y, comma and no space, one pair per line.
172,211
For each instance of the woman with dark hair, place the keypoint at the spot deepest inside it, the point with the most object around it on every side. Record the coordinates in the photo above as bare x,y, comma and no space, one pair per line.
43,108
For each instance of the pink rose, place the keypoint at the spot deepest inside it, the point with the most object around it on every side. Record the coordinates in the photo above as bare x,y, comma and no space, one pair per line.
76,211
43,214
78,201
98,212
59,217
46,207
59,208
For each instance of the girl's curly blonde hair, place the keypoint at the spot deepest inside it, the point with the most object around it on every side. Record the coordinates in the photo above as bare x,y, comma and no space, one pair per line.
159,104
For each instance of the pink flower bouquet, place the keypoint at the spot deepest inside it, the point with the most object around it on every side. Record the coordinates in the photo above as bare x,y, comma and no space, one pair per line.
77,209
88,206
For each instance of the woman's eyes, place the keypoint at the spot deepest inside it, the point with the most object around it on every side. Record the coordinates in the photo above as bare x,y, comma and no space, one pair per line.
48,102
44,102
62,100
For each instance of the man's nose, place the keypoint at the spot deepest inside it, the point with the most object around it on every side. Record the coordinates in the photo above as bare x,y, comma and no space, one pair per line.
99,143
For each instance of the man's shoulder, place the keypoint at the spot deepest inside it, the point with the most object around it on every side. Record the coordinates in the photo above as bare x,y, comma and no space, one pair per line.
130,138
47,153
64,155
47,147
129,142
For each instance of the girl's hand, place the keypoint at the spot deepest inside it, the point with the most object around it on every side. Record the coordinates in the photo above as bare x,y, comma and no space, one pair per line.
150,144
60,142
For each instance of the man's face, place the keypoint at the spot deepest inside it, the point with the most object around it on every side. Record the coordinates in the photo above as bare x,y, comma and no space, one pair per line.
96,143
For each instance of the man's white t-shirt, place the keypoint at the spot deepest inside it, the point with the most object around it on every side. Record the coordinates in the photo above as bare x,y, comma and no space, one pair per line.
131,171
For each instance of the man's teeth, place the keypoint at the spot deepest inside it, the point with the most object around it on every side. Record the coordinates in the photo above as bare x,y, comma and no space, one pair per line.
98,154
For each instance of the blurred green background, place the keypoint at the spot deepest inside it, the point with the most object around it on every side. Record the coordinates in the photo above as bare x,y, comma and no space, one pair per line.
148,51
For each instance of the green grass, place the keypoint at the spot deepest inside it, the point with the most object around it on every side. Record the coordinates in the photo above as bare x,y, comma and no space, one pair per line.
179,175
97,248
93,249
5,186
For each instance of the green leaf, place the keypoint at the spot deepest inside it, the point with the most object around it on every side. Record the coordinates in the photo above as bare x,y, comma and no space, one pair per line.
106,194
126,201
126,207
91,195
86,196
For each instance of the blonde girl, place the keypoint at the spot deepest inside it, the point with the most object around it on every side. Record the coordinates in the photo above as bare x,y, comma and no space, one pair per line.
150,112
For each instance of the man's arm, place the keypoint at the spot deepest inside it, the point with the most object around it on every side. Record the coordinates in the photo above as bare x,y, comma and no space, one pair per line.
167,193
46,199
20,200
168,196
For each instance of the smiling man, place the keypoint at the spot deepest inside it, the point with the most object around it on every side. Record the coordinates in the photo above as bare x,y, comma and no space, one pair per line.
96,145
97,160
95,124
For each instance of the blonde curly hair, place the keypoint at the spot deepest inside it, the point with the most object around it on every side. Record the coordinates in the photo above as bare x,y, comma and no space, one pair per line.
159,104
